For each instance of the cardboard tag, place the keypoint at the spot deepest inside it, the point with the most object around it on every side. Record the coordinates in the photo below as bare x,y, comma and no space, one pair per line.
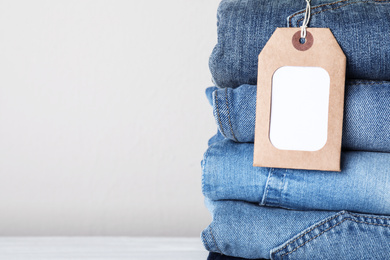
300,101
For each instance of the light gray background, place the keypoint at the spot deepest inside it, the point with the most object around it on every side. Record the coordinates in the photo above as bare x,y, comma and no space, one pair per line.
103,117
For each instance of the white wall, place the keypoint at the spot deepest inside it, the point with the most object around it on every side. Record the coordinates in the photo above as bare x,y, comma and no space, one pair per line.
103,117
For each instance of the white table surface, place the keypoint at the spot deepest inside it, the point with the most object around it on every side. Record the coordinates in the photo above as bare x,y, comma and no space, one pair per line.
53,248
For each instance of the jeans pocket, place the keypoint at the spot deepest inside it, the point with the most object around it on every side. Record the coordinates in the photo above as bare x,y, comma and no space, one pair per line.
342,236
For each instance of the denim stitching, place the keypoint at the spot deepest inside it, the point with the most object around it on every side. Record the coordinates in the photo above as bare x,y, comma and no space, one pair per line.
281,257
368,223
320,224
205,242
298,21
205,156
263,200
369,83
301,12
219,117
282,191
216,245
357,221
230,122
362,216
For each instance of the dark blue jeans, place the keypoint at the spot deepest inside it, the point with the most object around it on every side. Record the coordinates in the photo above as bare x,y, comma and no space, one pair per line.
362,28
216,256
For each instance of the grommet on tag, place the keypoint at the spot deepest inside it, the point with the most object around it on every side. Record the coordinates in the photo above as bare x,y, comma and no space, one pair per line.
296,41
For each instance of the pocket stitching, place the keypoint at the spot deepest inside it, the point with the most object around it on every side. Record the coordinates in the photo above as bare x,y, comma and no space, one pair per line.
298,21
311,229
281,257
363,216
354,220
301,12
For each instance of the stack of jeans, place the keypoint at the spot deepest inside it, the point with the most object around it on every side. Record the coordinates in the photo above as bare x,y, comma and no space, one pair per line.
271,213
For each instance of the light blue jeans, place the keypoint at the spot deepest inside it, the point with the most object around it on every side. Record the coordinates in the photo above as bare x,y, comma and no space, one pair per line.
362,29
366,114
363,185
246,230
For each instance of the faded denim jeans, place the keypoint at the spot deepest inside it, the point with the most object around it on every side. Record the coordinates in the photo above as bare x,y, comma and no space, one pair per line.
363,185
250,231
362,29
298,214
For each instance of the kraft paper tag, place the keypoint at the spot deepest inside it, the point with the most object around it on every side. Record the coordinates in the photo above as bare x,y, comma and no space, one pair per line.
300,101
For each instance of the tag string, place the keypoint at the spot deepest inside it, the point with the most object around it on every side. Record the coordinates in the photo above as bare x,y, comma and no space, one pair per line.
306,20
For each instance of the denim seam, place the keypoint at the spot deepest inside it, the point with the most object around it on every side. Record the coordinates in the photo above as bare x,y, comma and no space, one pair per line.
369,83
363,216
282,191
301,12
205,242
295,249
275,189
329,4
311,229
215,242
218,114
298,21
326,230
267,184
205,156
228,110
368,223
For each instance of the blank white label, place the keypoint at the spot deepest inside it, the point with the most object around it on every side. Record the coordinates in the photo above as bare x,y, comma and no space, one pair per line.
299,108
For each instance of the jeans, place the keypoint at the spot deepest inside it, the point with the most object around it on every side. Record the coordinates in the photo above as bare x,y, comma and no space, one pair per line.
362,29
217,256
366,114
363,185
245,230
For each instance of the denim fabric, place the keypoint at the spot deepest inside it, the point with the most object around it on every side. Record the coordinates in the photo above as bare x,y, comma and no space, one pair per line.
217,256
363,185
366,114
361,27
245,230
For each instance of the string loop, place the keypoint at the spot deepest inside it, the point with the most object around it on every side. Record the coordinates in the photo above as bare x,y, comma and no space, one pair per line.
306,20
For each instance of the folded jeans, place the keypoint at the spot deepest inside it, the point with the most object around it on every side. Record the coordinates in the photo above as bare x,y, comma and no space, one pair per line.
362,29
363,185
245,230
366,125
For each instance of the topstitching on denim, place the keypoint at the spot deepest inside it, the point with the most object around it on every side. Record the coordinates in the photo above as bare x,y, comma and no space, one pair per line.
266,188
275,188
342,220
311,229
333,8
367,82
218,114
228,113
206,245
215,242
